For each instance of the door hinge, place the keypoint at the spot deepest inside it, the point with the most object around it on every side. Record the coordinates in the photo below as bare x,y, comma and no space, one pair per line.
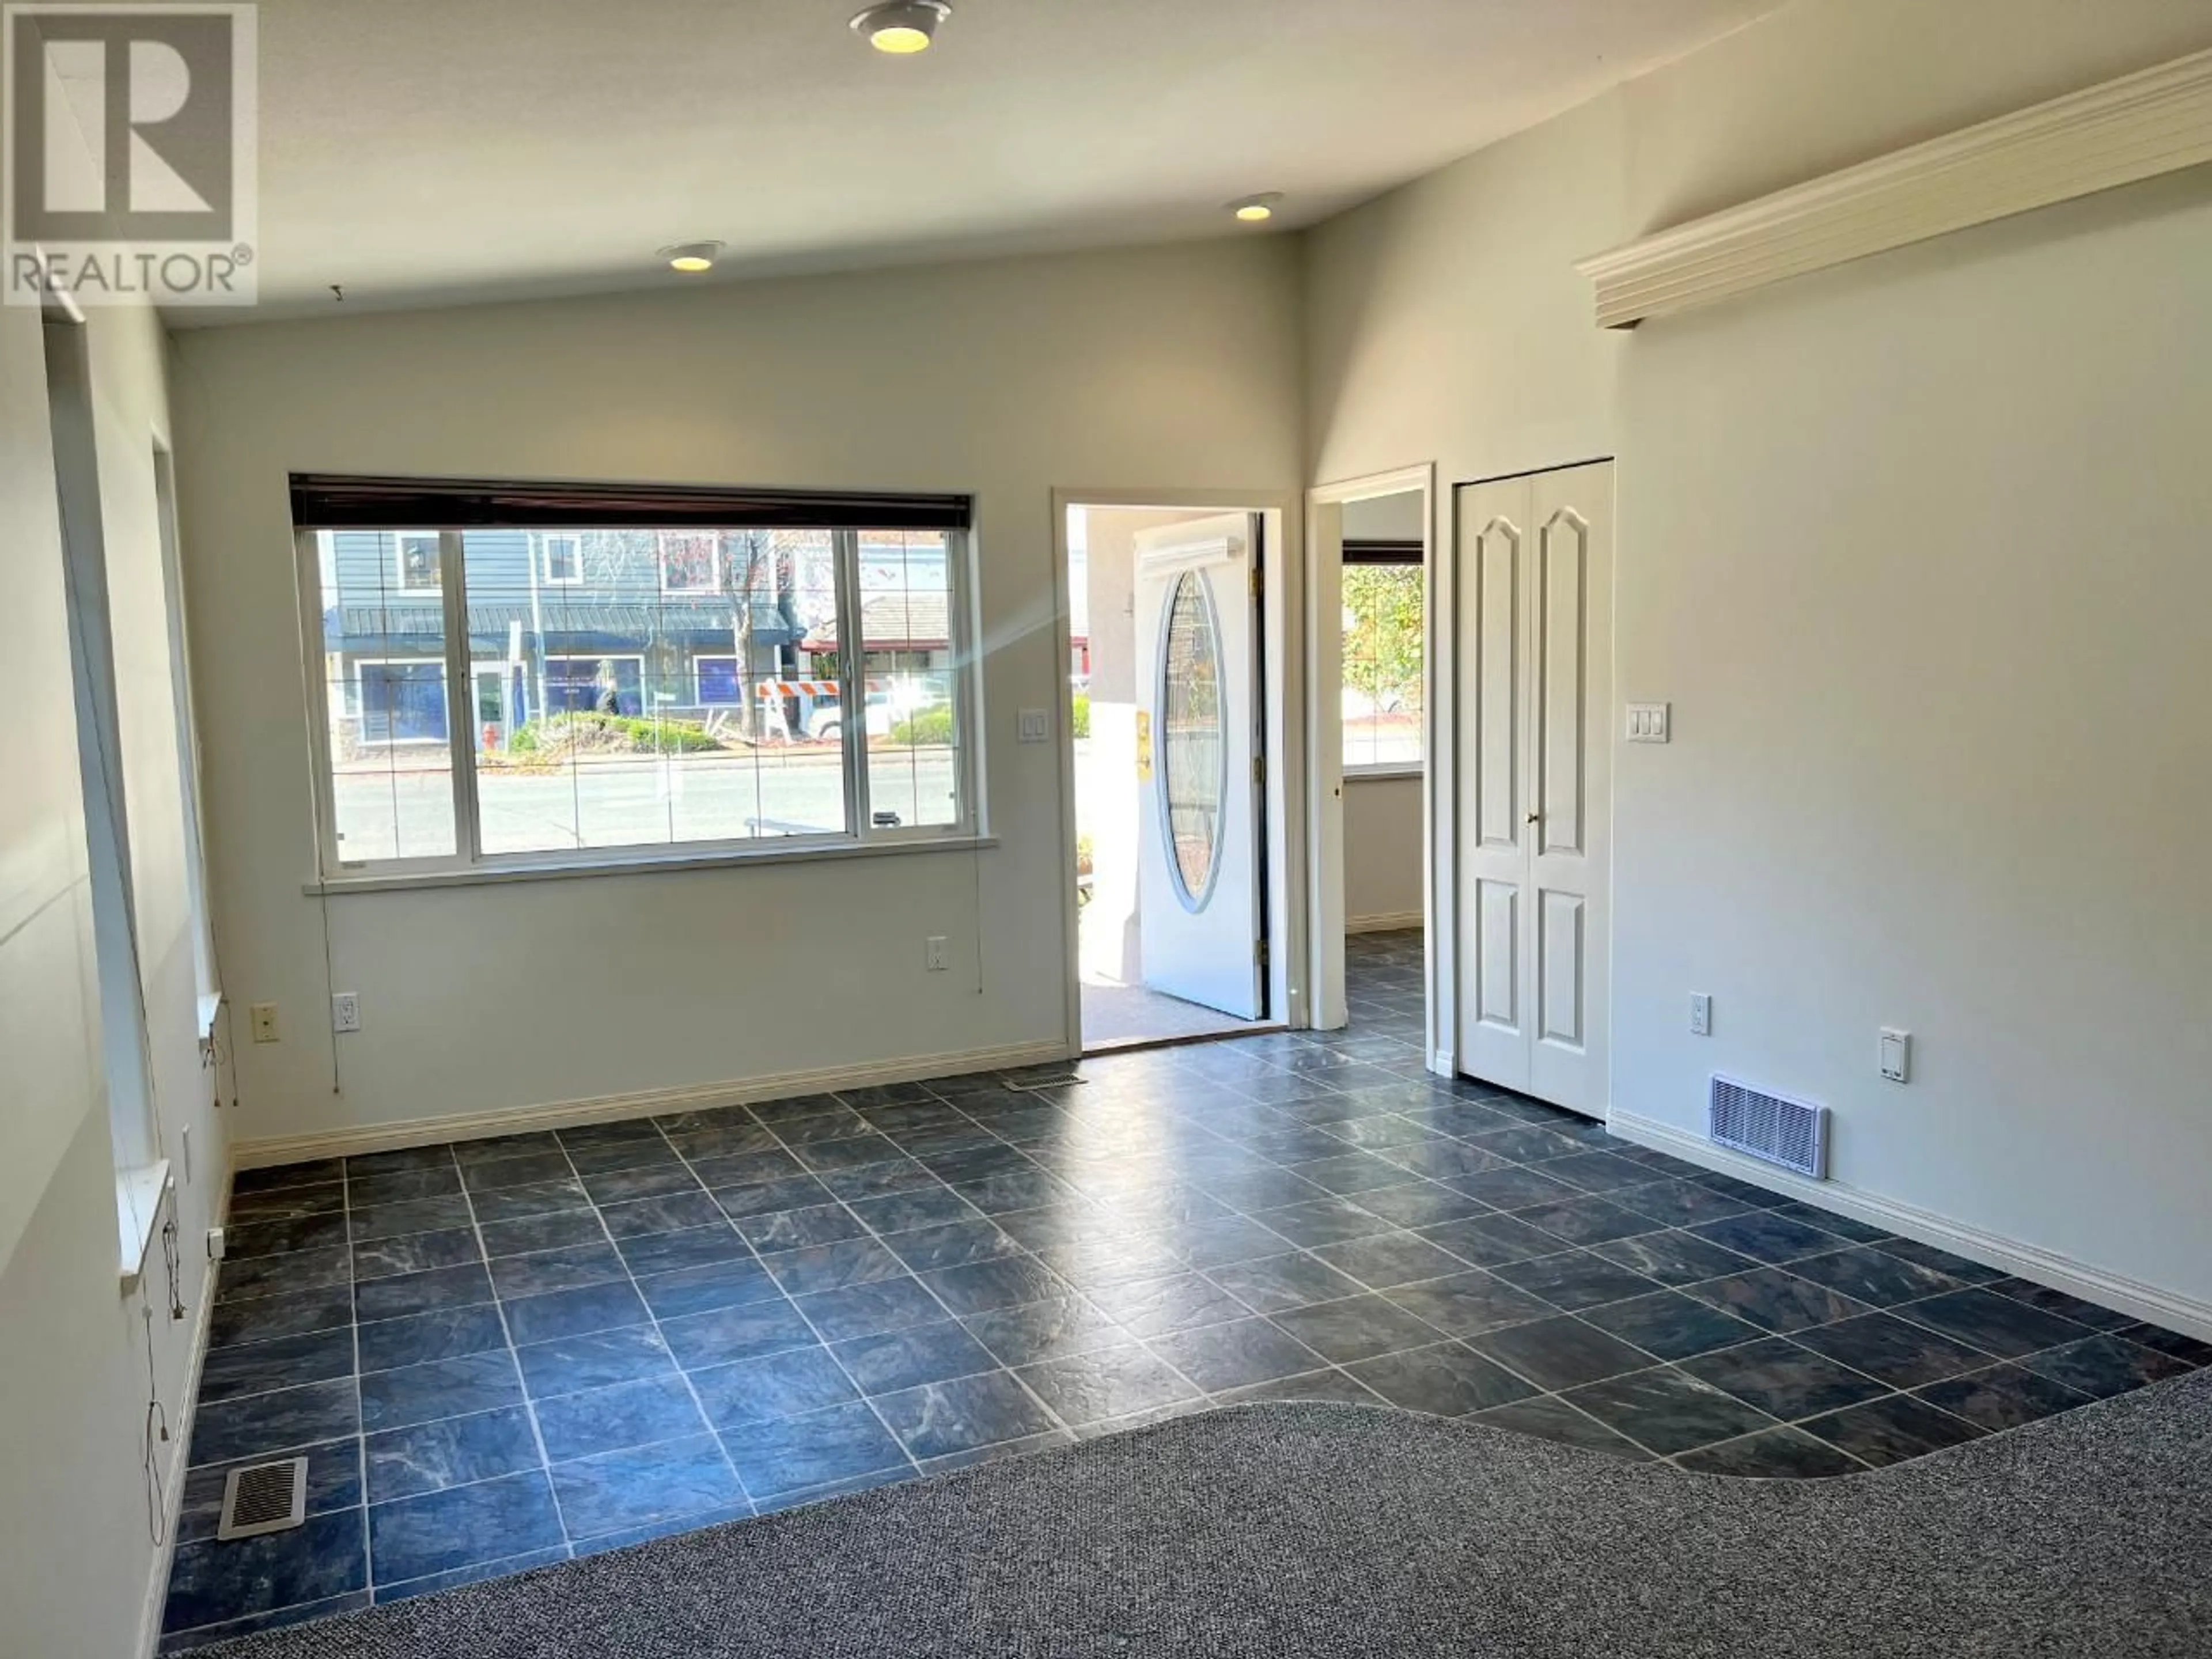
1260,951
1256,582
1259,769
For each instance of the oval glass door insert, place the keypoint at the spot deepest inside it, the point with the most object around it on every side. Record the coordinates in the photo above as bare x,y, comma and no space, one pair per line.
1192,754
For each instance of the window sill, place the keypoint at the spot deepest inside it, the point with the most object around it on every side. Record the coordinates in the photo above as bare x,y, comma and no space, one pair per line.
497,875
138,1197
1402,769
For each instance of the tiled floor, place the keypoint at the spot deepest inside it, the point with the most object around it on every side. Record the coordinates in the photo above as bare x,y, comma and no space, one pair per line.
502,1353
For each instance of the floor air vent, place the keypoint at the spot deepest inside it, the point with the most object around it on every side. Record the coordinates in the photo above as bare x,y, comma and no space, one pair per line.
1791,1132
266,1498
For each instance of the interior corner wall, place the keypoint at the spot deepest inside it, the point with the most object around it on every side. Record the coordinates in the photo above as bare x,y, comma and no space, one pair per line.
1382,851
1171,368
78,1569
1913,548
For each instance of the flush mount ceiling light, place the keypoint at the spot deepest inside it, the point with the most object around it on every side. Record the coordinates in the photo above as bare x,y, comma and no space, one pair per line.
902,27
691,257
1256,210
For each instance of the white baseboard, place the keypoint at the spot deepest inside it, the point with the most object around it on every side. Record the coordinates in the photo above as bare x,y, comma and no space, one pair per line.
2107,1290
180,1435
361,1139
1388,921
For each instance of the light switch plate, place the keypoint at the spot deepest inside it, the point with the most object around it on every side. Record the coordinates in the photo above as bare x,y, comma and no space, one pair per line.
1036,725
1896,1055
1647,722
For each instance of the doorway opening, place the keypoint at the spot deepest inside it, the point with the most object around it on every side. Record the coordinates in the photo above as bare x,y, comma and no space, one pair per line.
1169,741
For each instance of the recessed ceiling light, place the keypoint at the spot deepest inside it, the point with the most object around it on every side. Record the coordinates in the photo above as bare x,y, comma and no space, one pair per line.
902,27
1256,210
691,257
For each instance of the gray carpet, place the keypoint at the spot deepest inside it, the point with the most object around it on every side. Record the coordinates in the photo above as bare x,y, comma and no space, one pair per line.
1343,1530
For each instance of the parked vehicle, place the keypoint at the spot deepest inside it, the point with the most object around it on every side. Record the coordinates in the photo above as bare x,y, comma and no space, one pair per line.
826,722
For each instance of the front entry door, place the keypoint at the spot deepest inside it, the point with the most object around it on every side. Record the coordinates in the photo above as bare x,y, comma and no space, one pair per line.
1535,643
1199,788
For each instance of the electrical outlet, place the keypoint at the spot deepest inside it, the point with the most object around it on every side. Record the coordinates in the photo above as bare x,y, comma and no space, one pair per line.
264,1018
940,953
345,1011
217,1243
1896,1055
1701,1014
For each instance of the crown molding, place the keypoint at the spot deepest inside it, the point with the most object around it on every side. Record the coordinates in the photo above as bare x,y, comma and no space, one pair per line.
2154,122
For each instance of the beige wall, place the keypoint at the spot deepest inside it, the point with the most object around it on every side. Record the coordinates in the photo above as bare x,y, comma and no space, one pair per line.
1383,851
1912,547
78,1571
1152,368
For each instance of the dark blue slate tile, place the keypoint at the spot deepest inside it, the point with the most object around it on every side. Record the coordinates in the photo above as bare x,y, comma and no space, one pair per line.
445,1334
1528,1144
1492,1241
818,1267
1357,1328
922,1206
414,1293
1444,1379
441,1180
1892,1430
625,1186
700,1290
284,1275
1670,1325
1782,1379
1559,1352
2002,1397
1927,1255
624,1155
264,1319
1100,1385
1902,1355
1332,1387
1673,1259
1667,1410
618,1490
1995,1324
795,1454
1235,1355
2102,1366
911,1358
952,1244
739,1200
230,1430
1776,1301
597,1359
1776,1455
728,1334
2087,1315
283,1617
848,1152
2188,1349
494,1149
1149,1307
660,1215
277,1237
1387,1260
1586,1220
1442,1159
1513,1189
880,1180
534,1169
663,1527
442,1388
1766,1236
334,1483
1597,1172
646,1253
1678,1203
1052,1329
1034,1188
414,1253
211,1584
1575,1279
400,1160
1844,1226
503,1567
252,1575
542,1272
556,1230
611,1419
1294,1279
439,1531
426,1215
1874,1277
450,1452
792,1230
963,1414
786,1384
1548,1417
279,1177
575,1313
282,1363
1416,1204
290,1204
1467,1304
522,1202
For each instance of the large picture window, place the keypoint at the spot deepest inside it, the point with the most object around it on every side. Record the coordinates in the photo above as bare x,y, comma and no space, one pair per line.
568,692
1382,658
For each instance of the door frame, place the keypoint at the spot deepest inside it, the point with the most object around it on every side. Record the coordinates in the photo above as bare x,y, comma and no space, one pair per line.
1324,757
1282,692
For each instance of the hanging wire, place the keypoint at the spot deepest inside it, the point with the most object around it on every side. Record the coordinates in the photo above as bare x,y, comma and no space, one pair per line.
157,1435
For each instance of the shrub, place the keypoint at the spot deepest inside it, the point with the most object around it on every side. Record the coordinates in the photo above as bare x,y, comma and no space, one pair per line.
1079,719
926,728
588,733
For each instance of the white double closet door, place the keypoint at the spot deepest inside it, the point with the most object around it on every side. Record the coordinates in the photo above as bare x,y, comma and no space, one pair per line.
1535,717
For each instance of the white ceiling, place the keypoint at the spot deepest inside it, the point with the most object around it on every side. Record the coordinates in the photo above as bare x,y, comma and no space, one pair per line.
422,151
